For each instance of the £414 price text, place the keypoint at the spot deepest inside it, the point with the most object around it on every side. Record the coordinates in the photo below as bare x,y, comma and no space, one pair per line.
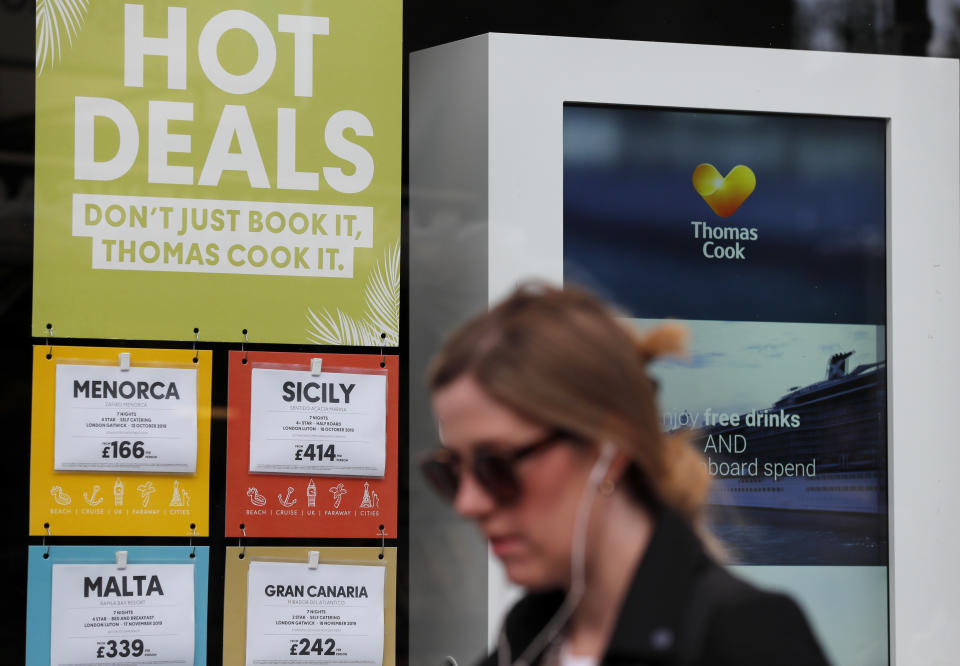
315,452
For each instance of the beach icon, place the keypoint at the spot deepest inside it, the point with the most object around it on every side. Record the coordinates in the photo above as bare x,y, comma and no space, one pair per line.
60,497
255,497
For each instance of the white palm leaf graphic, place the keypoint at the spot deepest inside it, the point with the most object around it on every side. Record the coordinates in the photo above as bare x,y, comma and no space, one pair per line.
382,296
54,19
338,329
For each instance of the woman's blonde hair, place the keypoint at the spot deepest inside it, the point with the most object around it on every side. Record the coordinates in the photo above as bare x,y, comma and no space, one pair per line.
562,358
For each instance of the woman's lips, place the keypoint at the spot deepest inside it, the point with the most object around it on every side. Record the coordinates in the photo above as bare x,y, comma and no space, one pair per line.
505,545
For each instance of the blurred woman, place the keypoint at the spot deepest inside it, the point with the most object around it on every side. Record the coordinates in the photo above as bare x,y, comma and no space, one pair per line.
551,443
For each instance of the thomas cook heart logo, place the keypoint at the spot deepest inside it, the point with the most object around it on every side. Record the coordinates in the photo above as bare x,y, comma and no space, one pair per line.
724,194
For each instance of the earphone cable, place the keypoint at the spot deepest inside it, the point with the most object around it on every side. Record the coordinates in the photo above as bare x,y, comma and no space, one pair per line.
578,571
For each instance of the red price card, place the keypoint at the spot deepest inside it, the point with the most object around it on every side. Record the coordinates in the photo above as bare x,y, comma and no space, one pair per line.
312,445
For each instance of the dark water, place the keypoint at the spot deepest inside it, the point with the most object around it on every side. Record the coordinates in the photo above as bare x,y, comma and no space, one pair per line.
767,536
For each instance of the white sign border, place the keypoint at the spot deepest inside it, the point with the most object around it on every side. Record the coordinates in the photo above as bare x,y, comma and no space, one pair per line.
58,417
115,570
530,78
335,562
334,370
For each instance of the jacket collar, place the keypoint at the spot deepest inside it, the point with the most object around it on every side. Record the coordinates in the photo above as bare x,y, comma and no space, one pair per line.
653,608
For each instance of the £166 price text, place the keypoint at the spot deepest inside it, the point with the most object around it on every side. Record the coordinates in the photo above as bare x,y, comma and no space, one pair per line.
122,449
123,648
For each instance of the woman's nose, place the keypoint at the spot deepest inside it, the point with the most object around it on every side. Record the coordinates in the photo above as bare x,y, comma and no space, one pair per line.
472,500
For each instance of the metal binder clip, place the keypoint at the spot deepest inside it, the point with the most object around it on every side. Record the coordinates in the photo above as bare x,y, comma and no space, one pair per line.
121,559
383,538
196,341
193,552
383,336
313,559
124,361
316,366
46,553
243,346
243,546
46,340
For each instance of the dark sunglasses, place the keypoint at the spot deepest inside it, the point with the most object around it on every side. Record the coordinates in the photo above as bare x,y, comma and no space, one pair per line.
493,470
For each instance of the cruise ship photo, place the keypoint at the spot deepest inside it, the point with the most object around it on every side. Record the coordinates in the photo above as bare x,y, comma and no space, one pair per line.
832,460
791,421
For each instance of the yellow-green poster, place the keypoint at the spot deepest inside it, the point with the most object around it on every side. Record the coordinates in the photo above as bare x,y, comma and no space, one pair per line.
219,165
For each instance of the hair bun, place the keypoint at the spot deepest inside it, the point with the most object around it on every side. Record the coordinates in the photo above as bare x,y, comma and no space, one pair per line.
669,339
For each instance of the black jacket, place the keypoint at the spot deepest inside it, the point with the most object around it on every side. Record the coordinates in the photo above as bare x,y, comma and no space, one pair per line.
684,609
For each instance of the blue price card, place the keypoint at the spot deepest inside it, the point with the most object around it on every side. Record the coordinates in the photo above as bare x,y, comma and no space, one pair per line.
117,604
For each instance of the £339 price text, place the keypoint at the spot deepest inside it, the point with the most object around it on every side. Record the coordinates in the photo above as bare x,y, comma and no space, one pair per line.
123,648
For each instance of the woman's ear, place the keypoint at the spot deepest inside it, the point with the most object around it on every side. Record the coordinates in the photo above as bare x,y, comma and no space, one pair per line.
618,467
610,466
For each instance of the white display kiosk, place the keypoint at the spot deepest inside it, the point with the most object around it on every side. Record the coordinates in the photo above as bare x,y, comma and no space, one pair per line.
486,211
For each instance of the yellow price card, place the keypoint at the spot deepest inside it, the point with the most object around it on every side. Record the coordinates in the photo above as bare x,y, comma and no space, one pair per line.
120,442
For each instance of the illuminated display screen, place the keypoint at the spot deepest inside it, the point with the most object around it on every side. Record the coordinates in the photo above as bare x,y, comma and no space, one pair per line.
765,234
